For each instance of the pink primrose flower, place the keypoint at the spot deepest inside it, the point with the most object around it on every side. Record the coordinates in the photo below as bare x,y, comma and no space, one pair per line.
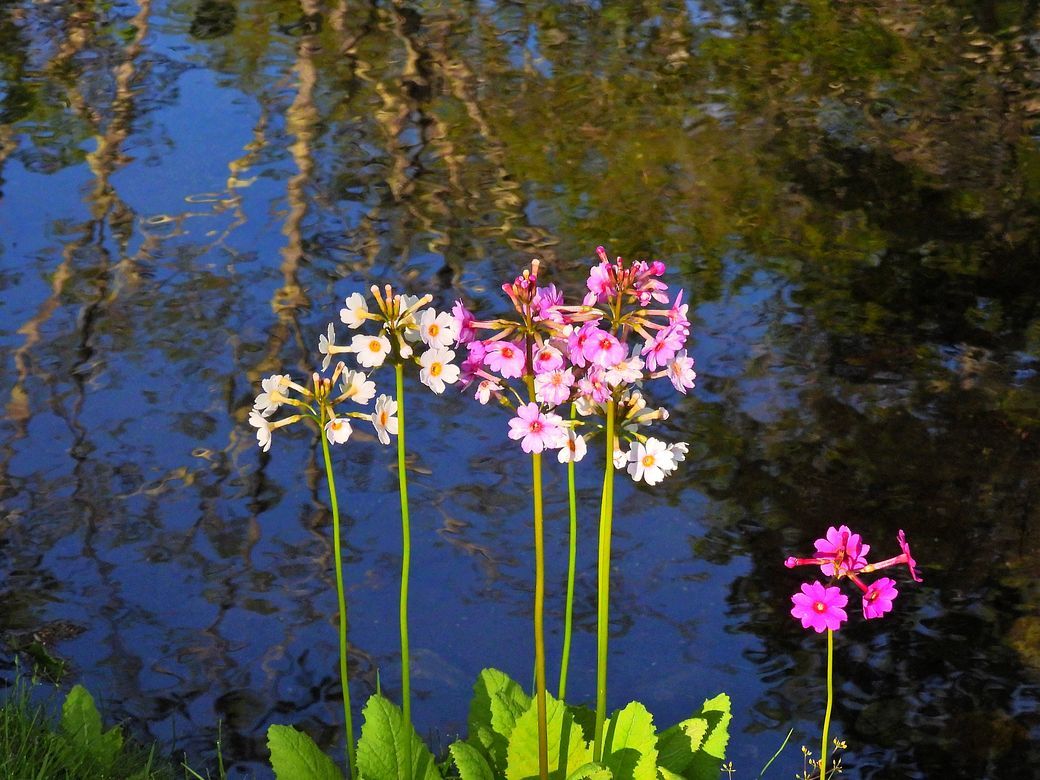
904,557
506,358
819,607
576,343
470,367
553,387
600,284
537,431
464,321
681,373
593,386
548,358
843,550
662,347
603,348
878,597
545,304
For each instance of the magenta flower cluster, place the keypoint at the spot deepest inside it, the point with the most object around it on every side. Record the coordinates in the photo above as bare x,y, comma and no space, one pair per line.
625,330
841,554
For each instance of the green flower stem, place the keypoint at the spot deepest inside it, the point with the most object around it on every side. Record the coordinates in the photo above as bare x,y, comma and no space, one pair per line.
343,675
571,565
606,516
539,607
824,753
406,564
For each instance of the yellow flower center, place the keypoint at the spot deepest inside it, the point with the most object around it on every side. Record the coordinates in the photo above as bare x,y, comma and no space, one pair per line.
648,461
383,418
375,346
435,369
433,330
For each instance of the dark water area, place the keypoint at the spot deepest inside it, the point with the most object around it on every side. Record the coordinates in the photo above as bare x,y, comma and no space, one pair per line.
849,194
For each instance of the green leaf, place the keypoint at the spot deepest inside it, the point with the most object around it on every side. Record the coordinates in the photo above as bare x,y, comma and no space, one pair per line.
707,762
81,722
566,743
584,717
630,744
590,771
294,756
381,749
497,703
470,762
694,749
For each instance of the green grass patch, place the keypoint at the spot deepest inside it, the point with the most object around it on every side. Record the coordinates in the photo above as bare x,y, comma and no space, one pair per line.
36,743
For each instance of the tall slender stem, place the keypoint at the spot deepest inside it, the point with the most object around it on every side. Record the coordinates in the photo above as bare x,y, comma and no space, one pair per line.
606,516
571,565
824,753
337,551
406,564
539,604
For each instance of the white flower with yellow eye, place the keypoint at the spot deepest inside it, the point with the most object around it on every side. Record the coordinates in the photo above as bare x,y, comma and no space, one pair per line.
383,419
437,369
263,429
650,462
371,351
437,330
356,311
357,387
338,430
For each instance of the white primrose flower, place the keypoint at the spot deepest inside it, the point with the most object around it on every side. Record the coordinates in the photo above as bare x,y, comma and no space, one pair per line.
371,351
357,387
437,330
327,347
574,448
679,451
273,395
338,430
356,311
437,369
263,429
650,462
620,457
626,372
485,389
383,419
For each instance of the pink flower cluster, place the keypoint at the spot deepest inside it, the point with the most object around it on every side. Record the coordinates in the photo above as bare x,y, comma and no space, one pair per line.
624,331
841,554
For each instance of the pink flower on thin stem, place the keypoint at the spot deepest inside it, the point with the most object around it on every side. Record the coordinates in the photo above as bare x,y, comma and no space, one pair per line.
681,373
905,557
576,343
662,347
843,549
537,431
839,553
506,358
819,607
470,367
547,358
603,349
600,284
878,597
464,322
554,387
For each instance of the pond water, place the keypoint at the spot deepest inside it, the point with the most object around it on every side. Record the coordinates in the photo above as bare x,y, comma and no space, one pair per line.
849,194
